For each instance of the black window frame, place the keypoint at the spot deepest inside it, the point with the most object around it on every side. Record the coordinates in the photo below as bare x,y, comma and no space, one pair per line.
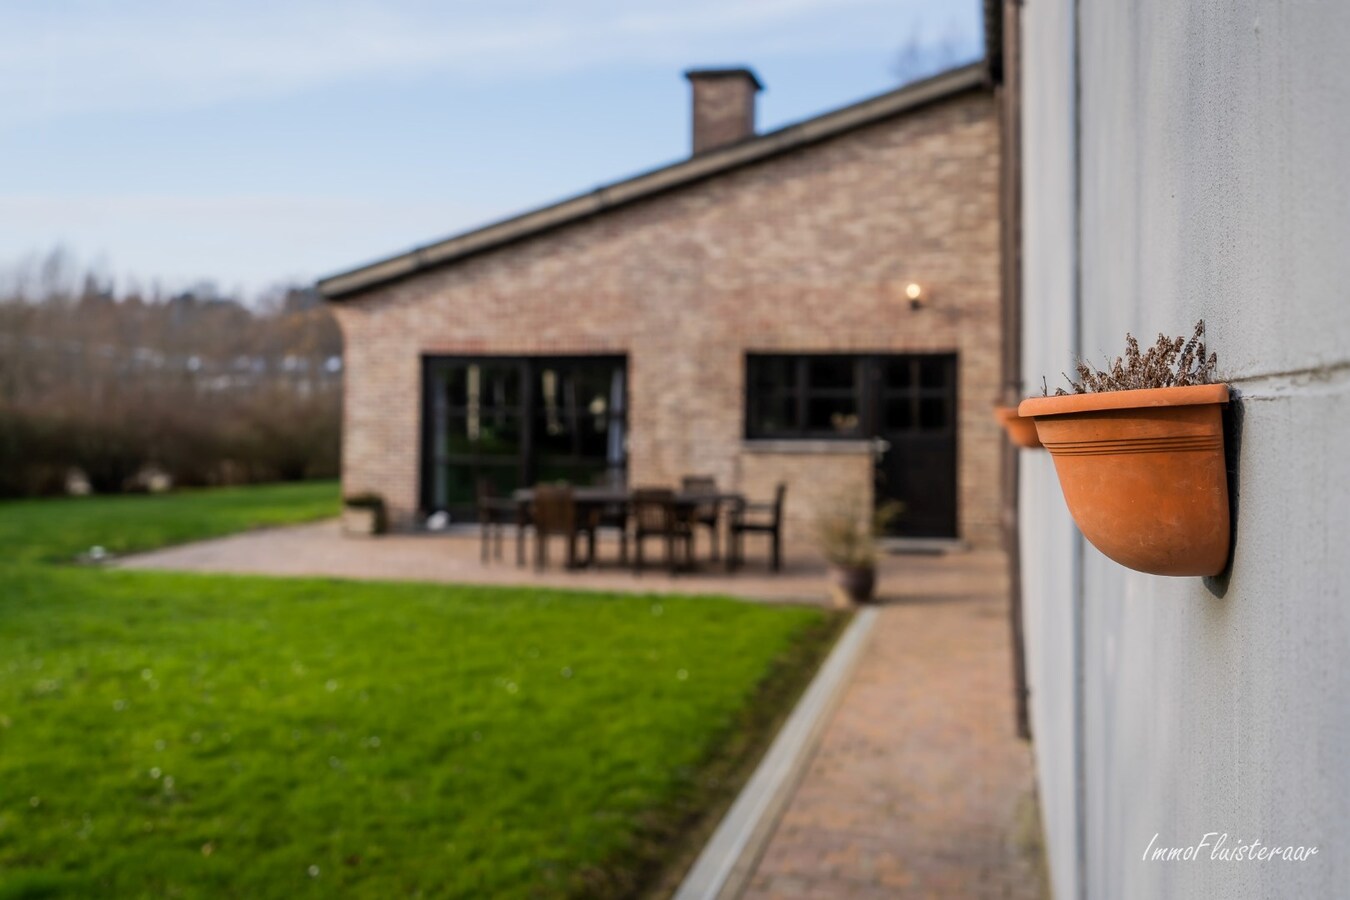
868,393
799,392
528,459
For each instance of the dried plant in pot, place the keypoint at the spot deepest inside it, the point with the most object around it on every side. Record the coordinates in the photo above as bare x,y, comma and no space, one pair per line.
846,532
1022,432
1139,451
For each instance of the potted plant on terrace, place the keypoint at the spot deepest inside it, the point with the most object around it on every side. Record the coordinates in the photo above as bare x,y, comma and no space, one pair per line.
1139,451
847,534
363,514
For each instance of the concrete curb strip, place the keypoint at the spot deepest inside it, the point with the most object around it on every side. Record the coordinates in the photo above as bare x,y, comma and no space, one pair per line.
742,833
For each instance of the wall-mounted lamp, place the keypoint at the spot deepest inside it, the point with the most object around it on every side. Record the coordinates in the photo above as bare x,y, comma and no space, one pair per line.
915,294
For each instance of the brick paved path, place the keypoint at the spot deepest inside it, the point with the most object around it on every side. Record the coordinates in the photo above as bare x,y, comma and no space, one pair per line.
919,787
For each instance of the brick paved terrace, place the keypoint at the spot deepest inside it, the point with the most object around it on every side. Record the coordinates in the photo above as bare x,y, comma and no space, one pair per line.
321,549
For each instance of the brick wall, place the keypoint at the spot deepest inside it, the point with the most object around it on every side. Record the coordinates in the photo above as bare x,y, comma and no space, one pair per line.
809,252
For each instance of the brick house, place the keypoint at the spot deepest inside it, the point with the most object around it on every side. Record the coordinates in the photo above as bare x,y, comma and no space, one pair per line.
744,313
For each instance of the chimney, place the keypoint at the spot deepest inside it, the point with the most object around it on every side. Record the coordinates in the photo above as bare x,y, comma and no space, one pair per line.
724,106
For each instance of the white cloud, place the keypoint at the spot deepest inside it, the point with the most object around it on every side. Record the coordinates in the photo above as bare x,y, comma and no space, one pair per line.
66,57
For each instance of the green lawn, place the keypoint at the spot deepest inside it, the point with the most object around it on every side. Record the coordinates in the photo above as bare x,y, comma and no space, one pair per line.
60,530
195,736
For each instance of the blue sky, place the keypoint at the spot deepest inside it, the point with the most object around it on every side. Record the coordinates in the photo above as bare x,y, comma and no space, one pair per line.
254,142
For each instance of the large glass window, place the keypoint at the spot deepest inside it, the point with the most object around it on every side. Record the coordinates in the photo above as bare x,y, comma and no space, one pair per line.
509,422
578,421
847,396
804,396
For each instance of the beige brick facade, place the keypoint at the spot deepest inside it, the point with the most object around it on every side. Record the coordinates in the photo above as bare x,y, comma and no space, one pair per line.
807,251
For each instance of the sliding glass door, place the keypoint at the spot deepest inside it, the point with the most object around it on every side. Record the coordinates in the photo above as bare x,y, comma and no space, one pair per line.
507,422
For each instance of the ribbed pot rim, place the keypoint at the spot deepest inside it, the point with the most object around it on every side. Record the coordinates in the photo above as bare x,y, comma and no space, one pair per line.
1192,395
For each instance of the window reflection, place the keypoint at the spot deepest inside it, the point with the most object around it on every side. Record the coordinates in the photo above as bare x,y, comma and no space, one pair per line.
510,422
848,396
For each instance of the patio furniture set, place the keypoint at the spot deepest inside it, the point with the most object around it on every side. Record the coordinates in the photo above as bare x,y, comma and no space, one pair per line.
643,514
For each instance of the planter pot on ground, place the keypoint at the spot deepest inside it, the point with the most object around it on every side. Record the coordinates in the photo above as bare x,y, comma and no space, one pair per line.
1143,473
362,521
1022,432
856,585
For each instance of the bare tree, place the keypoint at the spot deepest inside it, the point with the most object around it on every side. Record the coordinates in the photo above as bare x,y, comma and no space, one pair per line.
200,384
922,56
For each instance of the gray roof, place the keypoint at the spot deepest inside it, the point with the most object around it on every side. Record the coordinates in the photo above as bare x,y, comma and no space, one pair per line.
353,282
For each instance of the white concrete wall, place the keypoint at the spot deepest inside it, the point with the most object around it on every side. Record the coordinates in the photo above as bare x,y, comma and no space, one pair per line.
1214,182
1048,562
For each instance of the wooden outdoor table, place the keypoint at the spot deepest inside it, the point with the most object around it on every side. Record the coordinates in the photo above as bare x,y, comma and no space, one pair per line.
590,498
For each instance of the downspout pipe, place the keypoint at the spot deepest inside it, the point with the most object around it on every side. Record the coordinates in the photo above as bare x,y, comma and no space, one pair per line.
1011,392
1079,550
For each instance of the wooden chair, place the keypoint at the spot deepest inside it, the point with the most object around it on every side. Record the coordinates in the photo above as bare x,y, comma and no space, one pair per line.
757,518
555,513
494,514
613,515
705,514
655,514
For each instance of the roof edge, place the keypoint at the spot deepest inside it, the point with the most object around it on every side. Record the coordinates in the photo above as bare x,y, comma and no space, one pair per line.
874,109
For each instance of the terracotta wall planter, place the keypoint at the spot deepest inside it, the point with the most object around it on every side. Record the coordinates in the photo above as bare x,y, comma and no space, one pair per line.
1143,473
1022,432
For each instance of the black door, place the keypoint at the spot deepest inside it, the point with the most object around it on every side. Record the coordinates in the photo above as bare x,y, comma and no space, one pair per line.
915,416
